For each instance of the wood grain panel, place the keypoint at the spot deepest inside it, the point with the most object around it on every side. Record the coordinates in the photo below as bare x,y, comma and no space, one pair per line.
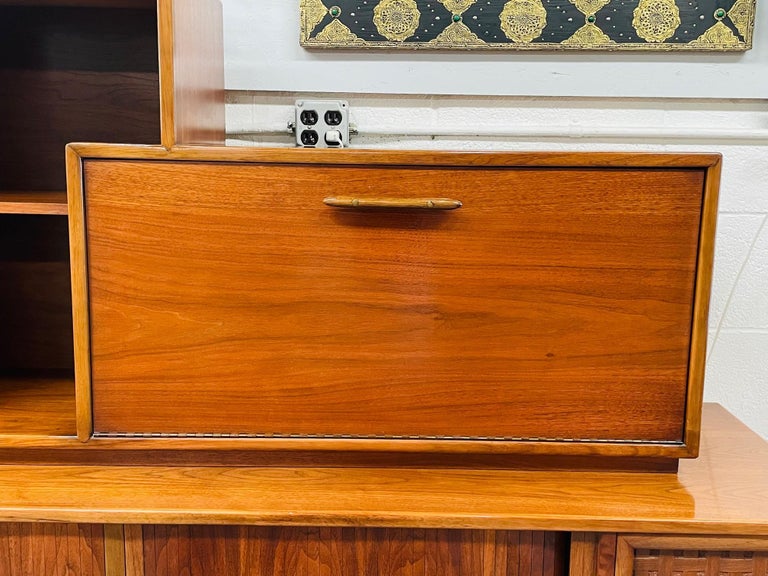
37,405
705,497
43,110
298,551
232,294
51,550
192,72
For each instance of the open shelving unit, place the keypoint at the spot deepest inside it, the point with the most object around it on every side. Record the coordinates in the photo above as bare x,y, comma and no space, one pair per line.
117,71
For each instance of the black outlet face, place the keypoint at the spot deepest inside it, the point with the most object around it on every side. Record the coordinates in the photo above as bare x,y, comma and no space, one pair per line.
333,117
309,117
309,137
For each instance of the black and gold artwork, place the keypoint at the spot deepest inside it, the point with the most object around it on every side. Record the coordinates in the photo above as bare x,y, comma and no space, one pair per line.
714,25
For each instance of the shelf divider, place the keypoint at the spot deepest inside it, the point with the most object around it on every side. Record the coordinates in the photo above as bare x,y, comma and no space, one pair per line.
53,203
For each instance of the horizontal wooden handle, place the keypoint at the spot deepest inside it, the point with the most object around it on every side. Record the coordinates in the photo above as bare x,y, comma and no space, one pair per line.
392,203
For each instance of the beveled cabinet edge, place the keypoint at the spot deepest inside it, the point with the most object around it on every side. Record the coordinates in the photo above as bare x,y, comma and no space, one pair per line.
628,543
79,275
77,152
699,321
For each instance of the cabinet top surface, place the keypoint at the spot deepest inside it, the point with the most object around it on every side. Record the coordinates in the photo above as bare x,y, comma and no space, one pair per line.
724,491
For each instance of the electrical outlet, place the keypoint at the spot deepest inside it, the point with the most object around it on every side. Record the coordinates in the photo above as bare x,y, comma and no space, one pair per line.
322,123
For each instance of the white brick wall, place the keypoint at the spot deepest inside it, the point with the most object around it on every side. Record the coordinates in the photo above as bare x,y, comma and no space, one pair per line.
737,362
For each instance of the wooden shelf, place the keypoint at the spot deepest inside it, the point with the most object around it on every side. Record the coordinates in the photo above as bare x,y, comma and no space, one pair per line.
724,491
37,405
83,3
54,203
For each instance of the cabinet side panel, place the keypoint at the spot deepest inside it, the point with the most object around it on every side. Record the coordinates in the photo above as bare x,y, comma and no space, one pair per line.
192,72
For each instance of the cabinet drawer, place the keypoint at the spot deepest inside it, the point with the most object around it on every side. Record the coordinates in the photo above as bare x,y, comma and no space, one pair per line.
556,305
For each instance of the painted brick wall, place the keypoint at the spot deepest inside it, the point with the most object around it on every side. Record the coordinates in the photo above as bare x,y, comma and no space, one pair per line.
737,361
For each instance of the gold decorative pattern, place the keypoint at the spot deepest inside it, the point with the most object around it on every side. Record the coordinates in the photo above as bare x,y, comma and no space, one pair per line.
717,36
457,6
742,15
312,13
457,34
396,19
523,20
590,6
588,35
515,25
656,20
338,33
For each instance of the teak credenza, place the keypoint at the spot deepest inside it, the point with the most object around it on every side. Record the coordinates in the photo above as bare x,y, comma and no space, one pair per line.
709,518
271,377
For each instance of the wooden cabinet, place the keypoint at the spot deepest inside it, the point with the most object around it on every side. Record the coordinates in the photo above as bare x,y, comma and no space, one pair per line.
52,549
309,551
561,308
80,71
303,519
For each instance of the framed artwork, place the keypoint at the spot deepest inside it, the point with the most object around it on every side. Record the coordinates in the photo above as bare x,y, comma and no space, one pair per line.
709,25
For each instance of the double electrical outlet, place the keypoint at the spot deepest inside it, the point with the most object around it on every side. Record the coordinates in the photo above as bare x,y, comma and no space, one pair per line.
322,123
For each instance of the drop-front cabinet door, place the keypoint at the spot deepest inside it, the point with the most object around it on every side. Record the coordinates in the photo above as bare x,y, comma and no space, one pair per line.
228,298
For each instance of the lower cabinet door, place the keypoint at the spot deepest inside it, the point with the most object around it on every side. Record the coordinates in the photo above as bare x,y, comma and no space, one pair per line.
647,555
554,306
32,549
288,551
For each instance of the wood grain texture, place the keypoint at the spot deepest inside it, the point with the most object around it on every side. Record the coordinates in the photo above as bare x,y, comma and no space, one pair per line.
723,492
191,72
79,285
722,543
315,322
83,3
51,550
37,405
114,549
592,554
705,261
699,562
315,551
68,106
53,203
353,156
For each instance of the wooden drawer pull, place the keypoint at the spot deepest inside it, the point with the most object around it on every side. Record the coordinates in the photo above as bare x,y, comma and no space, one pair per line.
393,203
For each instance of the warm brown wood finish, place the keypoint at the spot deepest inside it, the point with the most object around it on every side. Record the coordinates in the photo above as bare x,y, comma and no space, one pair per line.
72,73
76,70
37,405
54,203
318,322
646,555
305,551
192,72
592,554
724,491
35,306
51,550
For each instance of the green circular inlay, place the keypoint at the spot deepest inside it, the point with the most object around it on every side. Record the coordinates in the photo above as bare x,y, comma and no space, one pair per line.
457,17
335,11
591,18
719,13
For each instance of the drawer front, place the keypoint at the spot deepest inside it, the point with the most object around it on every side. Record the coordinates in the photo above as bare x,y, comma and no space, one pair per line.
556,303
